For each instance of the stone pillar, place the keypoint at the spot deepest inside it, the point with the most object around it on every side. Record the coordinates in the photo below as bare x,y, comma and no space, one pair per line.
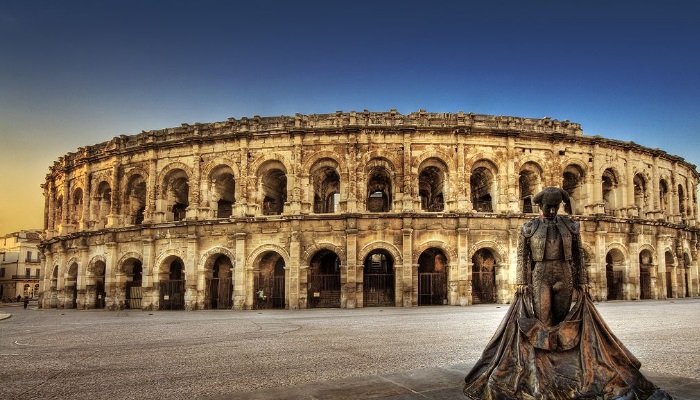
462,182
240,296
351,292
191,273
51,199
115,298
463,296
152,214
408,287
513,204
600,254
195,184
292,272
149,276
628,194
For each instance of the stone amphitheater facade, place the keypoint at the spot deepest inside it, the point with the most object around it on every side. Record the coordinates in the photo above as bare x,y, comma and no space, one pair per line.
353,210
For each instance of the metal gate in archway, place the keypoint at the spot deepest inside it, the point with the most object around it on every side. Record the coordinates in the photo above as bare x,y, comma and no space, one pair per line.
324,290
483,287
218,293
614,282
378,290
269,292
432,289
645,283
172,295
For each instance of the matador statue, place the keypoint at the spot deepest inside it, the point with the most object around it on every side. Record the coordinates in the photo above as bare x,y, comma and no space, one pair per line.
549,347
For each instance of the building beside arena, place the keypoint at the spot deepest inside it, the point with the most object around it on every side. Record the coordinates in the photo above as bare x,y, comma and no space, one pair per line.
355,209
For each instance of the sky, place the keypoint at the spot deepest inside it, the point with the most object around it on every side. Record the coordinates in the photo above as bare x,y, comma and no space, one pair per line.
78,73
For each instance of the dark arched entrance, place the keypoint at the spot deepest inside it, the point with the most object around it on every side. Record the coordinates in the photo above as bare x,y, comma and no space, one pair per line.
269,282
324,280
72,286
645,274
378,280
614,274
432,278
219,287
483,277
99,288
134,291
172,288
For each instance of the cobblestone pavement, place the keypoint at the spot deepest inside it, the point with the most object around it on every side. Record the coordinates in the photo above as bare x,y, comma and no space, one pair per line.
390,353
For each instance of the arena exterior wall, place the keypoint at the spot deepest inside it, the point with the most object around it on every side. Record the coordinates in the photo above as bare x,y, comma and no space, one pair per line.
353,210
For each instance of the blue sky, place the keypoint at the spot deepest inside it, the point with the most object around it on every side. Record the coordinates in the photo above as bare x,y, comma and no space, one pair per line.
76,73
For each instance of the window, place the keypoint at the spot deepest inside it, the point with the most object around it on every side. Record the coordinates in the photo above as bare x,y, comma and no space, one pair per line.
29,256
27,272
38,272
2,271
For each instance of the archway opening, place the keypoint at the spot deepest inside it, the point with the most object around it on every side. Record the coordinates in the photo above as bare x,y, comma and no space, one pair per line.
133,286
72,286
645,267
614,274
378,279
269,282
98,276
324,280
326,186
172,288
219,284
573,182
670,265
482,182
484,288
432,278
135,200
431,186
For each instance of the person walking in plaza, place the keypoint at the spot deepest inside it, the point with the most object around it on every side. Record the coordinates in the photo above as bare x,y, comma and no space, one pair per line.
26,302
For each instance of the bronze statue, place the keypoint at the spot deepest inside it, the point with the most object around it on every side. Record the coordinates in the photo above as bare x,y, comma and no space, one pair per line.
549,251
545,348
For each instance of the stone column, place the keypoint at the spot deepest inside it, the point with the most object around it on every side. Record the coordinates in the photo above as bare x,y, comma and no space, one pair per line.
292,270
113,218
191,273
599,247
463,296
351,292
152,214
241,298
409,287
115,298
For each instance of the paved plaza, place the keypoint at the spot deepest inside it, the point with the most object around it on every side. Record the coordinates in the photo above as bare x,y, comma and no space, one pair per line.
385,353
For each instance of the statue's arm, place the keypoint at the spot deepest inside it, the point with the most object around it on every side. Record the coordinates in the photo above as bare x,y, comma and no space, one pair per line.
523,267
580,274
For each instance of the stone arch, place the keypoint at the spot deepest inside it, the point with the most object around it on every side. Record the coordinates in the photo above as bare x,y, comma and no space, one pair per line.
437,154
219,189
485,282
500,252
132,255
267,158
433,184
93,266
450,252
135,193
380,184
256,255
616,263
162,264
642,189
316,157
530,182
315,247
483,184
380,245
574,177
173,166
325,185
208,257
76,203
215,163
72,261
272,182
612,187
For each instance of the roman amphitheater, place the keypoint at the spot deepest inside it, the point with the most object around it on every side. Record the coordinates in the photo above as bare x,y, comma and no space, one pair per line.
355,209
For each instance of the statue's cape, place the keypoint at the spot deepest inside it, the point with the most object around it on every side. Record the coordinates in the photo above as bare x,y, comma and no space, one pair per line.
578,359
